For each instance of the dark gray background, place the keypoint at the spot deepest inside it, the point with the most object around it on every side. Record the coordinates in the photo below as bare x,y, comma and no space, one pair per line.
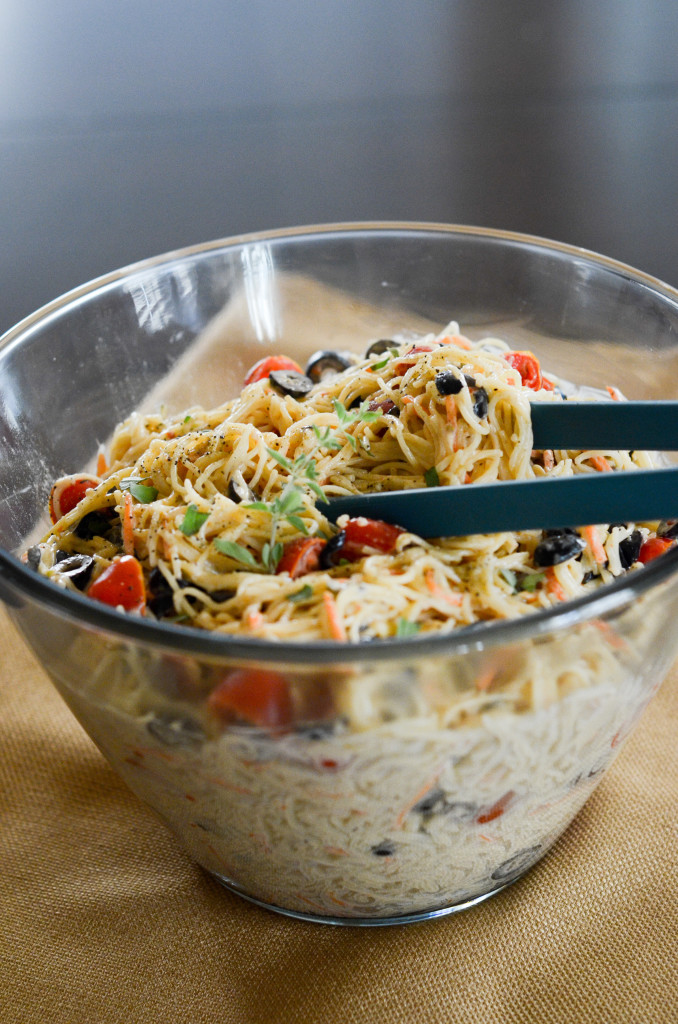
132,128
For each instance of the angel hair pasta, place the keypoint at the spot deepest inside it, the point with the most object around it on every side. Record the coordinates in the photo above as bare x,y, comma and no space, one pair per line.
215,518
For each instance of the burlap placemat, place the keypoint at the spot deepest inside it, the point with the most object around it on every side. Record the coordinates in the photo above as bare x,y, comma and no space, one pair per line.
104,919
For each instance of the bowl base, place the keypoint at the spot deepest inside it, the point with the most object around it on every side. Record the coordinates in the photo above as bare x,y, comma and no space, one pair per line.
361,922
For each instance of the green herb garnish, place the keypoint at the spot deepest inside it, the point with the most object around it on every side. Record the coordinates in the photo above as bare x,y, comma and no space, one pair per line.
192,520
303,477
301,595
510,577
138,489
406,628
236,551
431,477
381,364
531,581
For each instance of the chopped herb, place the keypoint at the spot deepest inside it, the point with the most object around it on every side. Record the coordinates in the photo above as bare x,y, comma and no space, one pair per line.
406,628
510,577
193,520
531,581
431,477
381,364
188,418
303,477
301,595
139,490
236,551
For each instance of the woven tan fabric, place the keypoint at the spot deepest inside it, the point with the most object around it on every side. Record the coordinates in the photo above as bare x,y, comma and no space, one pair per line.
104,919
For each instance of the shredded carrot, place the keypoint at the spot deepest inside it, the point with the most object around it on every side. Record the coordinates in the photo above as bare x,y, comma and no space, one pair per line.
255,619
335,899
127,524
461,342
450,409
336,626
102,464
600,463
554,586
418,796
408,400
486,678
613,392
437,591
593,540
611,635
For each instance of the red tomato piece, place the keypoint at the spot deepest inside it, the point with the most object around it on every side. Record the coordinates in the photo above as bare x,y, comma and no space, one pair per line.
121,584
528,367
257,695
653,547
262,369
67,492
363,536
301,556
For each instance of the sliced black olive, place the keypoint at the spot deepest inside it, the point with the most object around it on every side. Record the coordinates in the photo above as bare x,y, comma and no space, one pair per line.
289,382
613,526
221,595
239,490
480,403
448,383
459,810
324,363
516,864
377,348
317,731
160,596
430,802
387,406
385,849
560,530
471,381
588,576
175,731
78,569
668,529
558,548
62,555
33,557
629,549
99,523
434,803
331,553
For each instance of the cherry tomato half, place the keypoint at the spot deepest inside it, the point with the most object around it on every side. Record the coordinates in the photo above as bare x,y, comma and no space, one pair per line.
121,584
261,369
362,535
653,547
528,367
67,492
257,695
301,556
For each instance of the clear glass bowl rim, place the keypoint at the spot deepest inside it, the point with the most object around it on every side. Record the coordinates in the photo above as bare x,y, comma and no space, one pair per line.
80,610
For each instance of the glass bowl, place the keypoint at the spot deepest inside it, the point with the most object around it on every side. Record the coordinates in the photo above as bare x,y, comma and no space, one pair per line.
404,789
